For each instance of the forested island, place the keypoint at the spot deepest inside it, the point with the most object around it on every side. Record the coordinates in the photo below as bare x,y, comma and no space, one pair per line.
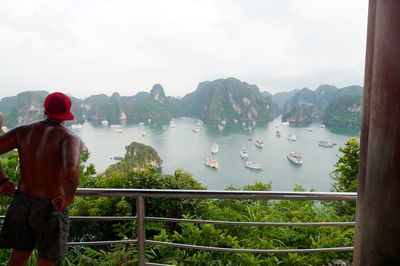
135,171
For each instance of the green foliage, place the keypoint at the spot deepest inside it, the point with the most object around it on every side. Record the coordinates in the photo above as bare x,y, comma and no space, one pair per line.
345,177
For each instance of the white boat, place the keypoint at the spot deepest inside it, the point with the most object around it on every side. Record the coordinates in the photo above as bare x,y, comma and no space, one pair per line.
116,126
259,143
254,166
141,124
322,126
212,163
325,143
278,133
220,127
196,130
76,126
172,124
117,130
292,137
244,154
164,127
149,120
285,123
295,158
309,129
104,123
214,148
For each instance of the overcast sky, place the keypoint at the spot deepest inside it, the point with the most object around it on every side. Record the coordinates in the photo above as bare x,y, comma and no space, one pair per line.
85,47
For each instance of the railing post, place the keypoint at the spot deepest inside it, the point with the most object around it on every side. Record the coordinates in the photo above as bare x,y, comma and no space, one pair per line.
141,232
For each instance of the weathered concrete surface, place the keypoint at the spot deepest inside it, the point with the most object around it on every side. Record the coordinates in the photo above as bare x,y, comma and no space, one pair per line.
378,203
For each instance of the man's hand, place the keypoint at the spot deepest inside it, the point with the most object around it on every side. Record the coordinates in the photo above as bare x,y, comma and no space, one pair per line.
59,202
7,188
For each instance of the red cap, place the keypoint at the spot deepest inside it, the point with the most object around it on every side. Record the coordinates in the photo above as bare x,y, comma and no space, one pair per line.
58,105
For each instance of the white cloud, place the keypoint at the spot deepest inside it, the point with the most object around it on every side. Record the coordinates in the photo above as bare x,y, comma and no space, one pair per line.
101,46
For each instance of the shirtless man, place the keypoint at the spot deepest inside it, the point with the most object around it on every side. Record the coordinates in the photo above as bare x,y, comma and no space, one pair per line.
49,172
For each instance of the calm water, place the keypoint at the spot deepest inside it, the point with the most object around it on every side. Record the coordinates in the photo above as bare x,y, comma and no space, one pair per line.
179,147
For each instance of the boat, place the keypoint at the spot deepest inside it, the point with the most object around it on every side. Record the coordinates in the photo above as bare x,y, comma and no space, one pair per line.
309,129
117,130
259,143
292,137
285,123
104,123
295,158
214,148
196,130
164,127
325,143
278,133
172,123
76,126
118,158
220,127
254,166
244,154
141,124
212,163
322,126
116,126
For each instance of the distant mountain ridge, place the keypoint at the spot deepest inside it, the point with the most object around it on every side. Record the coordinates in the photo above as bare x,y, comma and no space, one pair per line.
222,99
306,105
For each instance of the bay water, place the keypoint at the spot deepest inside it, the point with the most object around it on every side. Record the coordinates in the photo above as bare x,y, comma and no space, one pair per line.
181,147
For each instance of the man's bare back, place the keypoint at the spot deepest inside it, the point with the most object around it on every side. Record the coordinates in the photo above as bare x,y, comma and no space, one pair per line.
49,159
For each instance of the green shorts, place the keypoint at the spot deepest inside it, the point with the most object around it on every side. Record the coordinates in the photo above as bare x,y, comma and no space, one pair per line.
33,223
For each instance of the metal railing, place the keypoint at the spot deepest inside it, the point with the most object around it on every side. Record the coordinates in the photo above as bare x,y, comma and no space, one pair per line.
142,194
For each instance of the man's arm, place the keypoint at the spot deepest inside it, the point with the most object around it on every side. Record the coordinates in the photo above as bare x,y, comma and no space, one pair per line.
8,142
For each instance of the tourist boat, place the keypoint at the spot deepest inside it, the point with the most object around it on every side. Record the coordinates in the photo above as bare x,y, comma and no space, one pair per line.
104,123
117,130
278,133
244,154
309,129
164,127
116,126
220,127
141,124
259,143
295,158
214,148
322,126
254,166
325,143
172,123
76,126
196,130
285,123
292,137
212,163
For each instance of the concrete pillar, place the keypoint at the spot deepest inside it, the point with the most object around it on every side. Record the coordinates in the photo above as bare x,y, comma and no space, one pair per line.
378,202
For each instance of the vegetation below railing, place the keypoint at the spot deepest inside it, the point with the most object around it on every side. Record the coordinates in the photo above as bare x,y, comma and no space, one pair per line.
203,234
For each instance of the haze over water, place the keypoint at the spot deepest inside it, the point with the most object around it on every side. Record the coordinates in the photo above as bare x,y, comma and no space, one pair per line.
180,147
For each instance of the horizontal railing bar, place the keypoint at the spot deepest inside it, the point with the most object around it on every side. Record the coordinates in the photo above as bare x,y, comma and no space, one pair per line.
176,220
102,243
102,218
217,194
255,251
